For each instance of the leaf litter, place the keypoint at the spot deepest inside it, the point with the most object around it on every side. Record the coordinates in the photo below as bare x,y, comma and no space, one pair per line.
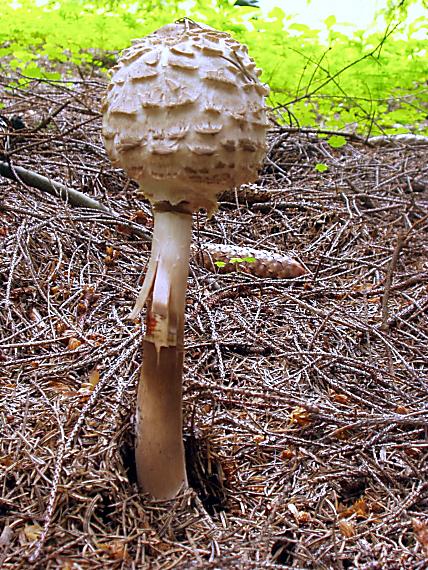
305,400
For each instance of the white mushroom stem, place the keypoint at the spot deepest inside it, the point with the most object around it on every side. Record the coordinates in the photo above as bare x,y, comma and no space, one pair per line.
159,453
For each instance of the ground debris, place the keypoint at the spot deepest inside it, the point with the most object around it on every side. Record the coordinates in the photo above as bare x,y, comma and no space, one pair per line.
305,399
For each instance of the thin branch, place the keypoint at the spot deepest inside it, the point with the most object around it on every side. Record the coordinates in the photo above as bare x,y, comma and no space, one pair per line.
73,197
343,69
388,281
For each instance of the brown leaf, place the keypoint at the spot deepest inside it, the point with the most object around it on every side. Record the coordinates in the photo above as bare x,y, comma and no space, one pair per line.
339,398
89,384
73,343
359,508
60,327
303,517
82,307
421,532
124,229
32,531
347,529
6,460
402,410
342,433
300,416
116,549
111,253
141,218
287,454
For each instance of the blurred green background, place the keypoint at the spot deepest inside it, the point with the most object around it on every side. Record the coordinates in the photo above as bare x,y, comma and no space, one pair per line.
323,71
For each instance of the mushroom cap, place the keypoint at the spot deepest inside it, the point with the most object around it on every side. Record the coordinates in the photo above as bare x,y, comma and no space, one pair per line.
185,115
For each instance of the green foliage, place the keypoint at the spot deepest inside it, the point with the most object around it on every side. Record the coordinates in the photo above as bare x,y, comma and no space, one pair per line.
336,141
321,167
242,259
235,260
401,7
367,83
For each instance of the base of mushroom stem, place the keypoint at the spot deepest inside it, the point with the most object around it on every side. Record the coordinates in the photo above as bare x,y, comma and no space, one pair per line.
159,452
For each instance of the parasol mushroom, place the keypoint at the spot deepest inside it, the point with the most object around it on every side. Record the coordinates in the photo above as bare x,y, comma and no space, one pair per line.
185,116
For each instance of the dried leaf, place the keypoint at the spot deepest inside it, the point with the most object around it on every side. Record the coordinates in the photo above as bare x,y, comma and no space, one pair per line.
421,532
6,536
59,386
347,529
92,381
34,315
124,229
141,218
60,327
287,454
82,307
6,460
94,377
300,416
32,531
342,433
303,517
112,253
73,343
359,508
339,398
116,549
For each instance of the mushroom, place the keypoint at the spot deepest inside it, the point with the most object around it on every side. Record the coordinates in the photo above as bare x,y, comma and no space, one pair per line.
185,116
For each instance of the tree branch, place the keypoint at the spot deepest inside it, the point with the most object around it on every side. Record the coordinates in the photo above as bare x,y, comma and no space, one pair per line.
73,197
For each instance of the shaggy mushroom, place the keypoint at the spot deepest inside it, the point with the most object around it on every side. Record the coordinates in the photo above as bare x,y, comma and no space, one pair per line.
185,116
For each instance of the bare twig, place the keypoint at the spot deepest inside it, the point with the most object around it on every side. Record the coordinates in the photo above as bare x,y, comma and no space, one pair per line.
73,197
388,281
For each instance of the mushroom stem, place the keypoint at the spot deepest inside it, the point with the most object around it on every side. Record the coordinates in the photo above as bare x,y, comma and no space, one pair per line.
159,450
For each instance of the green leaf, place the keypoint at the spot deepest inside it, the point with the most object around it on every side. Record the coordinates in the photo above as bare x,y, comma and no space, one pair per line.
336,141
242,259
321,167
219,263
34,71
330,21
53,75
277,14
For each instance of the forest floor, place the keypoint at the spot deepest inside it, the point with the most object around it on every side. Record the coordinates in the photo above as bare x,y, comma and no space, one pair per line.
305,400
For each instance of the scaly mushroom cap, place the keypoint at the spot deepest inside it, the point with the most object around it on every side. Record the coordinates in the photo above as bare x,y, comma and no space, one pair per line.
185,115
